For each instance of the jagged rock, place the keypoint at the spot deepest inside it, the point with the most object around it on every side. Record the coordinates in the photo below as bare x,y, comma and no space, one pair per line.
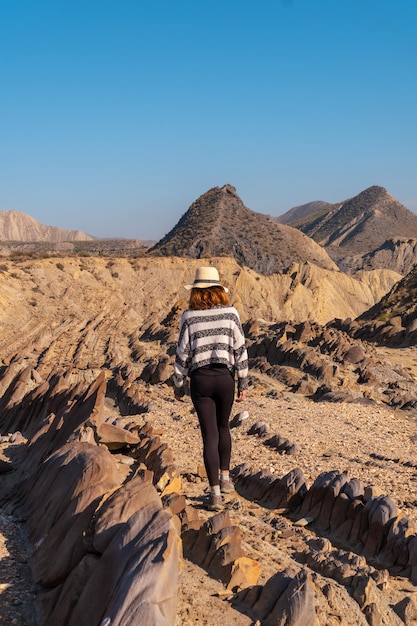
355,354
255,485
313,500
225,549
245,573
406,609
217,546
119,507
90,533
277,493
280,444
259,428
353,489
286,598
145,549
381,512
157,371
114,437
331,492
396,541
239,418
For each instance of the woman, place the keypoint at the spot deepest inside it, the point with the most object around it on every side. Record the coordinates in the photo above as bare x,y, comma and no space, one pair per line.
211,349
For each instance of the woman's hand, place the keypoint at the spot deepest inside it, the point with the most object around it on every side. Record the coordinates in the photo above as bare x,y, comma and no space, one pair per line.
241,397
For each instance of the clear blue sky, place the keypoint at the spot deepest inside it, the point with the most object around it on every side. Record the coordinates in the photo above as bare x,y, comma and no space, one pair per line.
116,116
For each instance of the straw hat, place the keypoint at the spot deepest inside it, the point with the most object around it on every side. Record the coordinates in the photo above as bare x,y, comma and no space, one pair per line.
206,277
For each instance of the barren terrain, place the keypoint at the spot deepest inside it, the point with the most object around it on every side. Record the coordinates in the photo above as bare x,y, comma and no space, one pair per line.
82,316
342,437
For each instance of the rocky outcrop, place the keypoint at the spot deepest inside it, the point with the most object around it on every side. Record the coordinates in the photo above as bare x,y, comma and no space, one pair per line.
330,363
399,255
104,510
392,320
105,548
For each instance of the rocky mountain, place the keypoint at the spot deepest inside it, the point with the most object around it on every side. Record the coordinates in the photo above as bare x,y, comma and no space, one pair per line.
399,255
359,225
219,224
299,213
17,226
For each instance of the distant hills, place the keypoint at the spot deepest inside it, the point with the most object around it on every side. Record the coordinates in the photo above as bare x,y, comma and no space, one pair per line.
219,224
370,231
356,226
301,212
17,226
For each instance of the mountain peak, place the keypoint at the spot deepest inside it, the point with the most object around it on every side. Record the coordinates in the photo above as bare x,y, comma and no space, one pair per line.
360,224
219,224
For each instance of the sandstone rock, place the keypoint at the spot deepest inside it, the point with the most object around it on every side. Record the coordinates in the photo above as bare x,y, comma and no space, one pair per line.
114,437
245,573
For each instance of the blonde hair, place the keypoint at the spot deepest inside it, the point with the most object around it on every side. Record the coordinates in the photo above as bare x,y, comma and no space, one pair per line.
207,298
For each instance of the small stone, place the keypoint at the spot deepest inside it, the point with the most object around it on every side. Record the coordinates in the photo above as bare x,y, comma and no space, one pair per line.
126,460
304,521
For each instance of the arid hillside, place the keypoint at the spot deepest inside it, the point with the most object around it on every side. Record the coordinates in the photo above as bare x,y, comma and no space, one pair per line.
219,224
138,289
359,225
302,212
399,255
17,226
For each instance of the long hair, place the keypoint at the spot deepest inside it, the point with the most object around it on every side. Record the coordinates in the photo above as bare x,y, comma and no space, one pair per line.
207,298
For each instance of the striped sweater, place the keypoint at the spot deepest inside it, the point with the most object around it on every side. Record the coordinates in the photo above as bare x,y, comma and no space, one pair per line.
211,336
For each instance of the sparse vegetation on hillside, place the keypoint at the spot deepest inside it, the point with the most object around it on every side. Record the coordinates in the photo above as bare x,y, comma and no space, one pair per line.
131,248
400,301
359,225
299,214
219,224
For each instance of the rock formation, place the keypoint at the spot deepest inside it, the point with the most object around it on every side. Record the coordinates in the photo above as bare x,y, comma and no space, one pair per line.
399,255
105,515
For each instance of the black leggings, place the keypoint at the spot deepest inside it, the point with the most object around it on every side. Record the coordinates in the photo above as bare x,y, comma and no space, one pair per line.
212,392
